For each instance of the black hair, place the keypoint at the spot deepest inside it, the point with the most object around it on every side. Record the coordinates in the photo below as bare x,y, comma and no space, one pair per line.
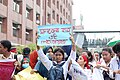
90,55
59,50
107,49
26,51
6,44
116,48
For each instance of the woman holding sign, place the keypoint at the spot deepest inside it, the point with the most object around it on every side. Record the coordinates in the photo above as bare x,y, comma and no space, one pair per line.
57,70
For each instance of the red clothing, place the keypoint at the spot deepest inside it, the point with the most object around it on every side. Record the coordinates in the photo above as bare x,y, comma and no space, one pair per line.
33,59
85,59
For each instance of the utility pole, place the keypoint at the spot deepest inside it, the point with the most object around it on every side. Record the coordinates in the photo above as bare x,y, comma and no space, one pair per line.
81,19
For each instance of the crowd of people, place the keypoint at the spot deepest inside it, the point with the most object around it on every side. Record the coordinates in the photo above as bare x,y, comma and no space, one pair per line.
65,63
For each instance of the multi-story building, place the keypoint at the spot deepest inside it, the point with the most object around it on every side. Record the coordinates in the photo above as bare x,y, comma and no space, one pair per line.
19,18
57,11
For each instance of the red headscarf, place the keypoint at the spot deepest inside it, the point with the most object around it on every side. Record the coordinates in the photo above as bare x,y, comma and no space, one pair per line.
14,50
86,60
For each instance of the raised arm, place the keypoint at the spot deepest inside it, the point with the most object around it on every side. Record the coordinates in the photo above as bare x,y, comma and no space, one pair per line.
73,43
73,51
44,59
72,54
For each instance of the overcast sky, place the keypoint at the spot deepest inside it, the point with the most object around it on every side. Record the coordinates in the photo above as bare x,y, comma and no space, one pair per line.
97,14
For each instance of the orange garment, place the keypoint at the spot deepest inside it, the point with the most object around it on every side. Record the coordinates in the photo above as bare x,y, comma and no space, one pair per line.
33,59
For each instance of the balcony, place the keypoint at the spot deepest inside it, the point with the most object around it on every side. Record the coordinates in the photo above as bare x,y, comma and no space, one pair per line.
29,4
3,36
16,40
3,10
38,9
29,24
17,17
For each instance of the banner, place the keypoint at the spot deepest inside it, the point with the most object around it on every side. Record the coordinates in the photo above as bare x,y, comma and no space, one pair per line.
79,39
26,75
6,69
54,35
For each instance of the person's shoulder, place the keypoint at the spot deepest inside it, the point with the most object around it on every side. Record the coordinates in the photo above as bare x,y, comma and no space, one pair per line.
33,52
113,59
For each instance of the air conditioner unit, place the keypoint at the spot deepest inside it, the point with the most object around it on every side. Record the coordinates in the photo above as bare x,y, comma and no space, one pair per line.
27,33
18,27
14,27
0,22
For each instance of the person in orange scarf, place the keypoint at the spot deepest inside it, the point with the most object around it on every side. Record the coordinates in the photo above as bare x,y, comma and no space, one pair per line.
33,59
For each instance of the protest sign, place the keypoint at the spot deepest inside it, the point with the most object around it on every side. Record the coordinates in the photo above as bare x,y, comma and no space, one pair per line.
54,35
35,76
26,75
6,69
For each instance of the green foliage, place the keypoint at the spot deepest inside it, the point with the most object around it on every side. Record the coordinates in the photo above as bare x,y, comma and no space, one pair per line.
32,46
19,48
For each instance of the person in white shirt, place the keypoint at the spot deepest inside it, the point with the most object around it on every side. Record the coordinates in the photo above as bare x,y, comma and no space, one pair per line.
115,63
80,70
59,58
5,47
105,64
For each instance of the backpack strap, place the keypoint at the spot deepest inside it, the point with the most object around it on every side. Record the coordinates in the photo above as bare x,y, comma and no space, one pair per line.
54,64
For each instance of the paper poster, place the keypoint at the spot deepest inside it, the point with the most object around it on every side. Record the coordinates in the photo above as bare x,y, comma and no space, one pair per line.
6,69
57,35
26,75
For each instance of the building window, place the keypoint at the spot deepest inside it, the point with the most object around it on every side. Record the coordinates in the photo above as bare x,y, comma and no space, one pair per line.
54,2
64,12
60,20
43,4
57,4
16,28
61,8
53,14
57,18
0,26
16,6
1,22
69,7
14,32
38,2
63,22
49,3
38,19
29,13
28,35
1,1
66,15
66,2
69,17
48,18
